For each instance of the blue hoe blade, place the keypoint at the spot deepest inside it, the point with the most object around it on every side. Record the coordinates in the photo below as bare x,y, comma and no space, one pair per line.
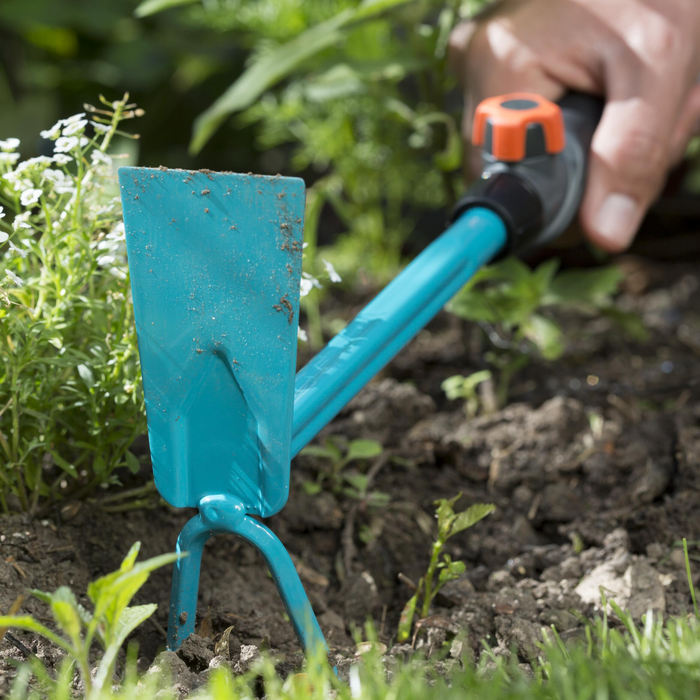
215,265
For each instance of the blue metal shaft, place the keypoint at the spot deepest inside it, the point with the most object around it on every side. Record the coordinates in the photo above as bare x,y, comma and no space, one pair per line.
326,384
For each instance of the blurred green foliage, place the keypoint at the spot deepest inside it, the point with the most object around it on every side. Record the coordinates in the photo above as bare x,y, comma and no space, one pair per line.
356,96
57,54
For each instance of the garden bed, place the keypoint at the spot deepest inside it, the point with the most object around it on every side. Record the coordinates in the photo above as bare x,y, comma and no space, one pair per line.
592,466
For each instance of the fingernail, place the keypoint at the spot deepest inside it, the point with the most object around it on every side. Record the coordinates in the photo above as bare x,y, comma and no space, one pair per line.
618,219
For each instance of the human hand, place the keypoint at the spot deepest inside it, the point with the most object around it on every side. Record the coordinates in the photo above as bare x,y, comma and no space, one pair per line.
642,55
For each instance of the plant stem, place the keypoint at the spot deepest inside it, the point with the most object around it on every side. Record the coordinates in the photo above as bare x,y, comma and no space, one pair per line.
430,573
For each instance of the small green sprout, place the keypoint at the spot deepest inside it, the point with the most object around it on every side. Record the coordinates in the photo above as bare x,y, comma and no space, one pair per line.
513,304
336,460
459,387
449,524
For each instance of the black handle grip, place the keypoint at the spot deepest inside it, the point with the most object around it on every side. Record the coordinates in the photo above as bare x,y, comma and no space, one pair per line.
538,197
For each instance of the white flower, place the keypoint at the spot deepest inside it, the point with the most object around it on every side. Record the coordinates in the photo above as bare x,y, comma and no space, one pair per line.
22,253
14,278
100,128
332,274
117,232
20,221
305,287
307,284
73,119
105,260
9,145
41,161
10,158
84,142
54,175
62,183
66,143
301,334
18,184
99,157
62,159
54,132
2,212
30,197
3,236
116,272
74,127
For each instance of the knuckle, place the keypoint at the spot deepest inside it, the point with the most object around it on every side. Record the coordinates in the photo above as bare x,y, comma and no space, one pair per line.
459,38
640,156
662,42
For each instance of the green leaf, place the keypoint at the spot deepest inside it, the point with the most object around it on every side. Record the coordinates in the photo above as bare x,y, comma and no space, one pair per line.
452,386
450,158
43,596
327,451
111,594
363,449
445,514
406,619
132,462
544,274
629,321
378,499
339,81
266,70
470,517
25,622
584,286
449,571
311,488
63,464
473,380
546,335
66,614
151,7
86,375
372,8
358,481
128,621
130,558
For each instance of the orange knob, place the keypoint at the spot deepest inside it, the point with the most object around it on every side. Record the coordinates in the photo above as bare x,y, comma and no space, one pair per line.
518,126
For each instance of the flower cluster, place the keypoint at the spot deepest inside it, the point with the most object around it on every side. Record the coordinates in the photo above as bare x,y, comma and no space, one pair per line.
67,337
48,193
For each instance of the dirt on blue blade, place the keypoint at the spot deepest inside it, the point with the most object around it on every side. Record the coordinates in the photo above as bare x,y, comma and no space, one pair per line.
215,265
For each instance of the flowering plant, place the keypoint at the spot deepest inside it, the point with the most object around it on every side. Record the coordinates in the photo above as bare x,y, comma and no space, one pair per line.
70,397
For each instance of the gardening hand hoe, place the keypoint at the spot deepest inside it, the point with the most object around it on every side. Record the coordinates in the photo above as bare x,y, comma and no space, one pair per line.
215,262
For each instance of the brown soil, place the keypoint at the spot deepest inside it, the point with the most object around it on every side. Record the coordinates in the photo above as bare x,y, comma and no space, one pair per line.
593,467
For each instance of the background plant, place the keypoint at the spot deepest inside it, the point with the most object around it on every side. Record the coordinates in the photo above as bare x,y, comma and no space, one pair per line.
515,305
334,458
459,387
356,95
449,524
70,396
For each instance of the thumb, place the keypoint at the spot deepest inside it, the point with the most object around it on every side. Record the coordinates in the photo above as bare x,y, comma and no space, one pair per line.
628,163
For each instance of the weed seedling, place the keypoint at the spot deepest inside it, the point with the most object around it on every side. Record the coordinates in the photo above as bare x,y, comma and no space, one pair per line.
513,304
459,387
110,623
335,461
449,524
